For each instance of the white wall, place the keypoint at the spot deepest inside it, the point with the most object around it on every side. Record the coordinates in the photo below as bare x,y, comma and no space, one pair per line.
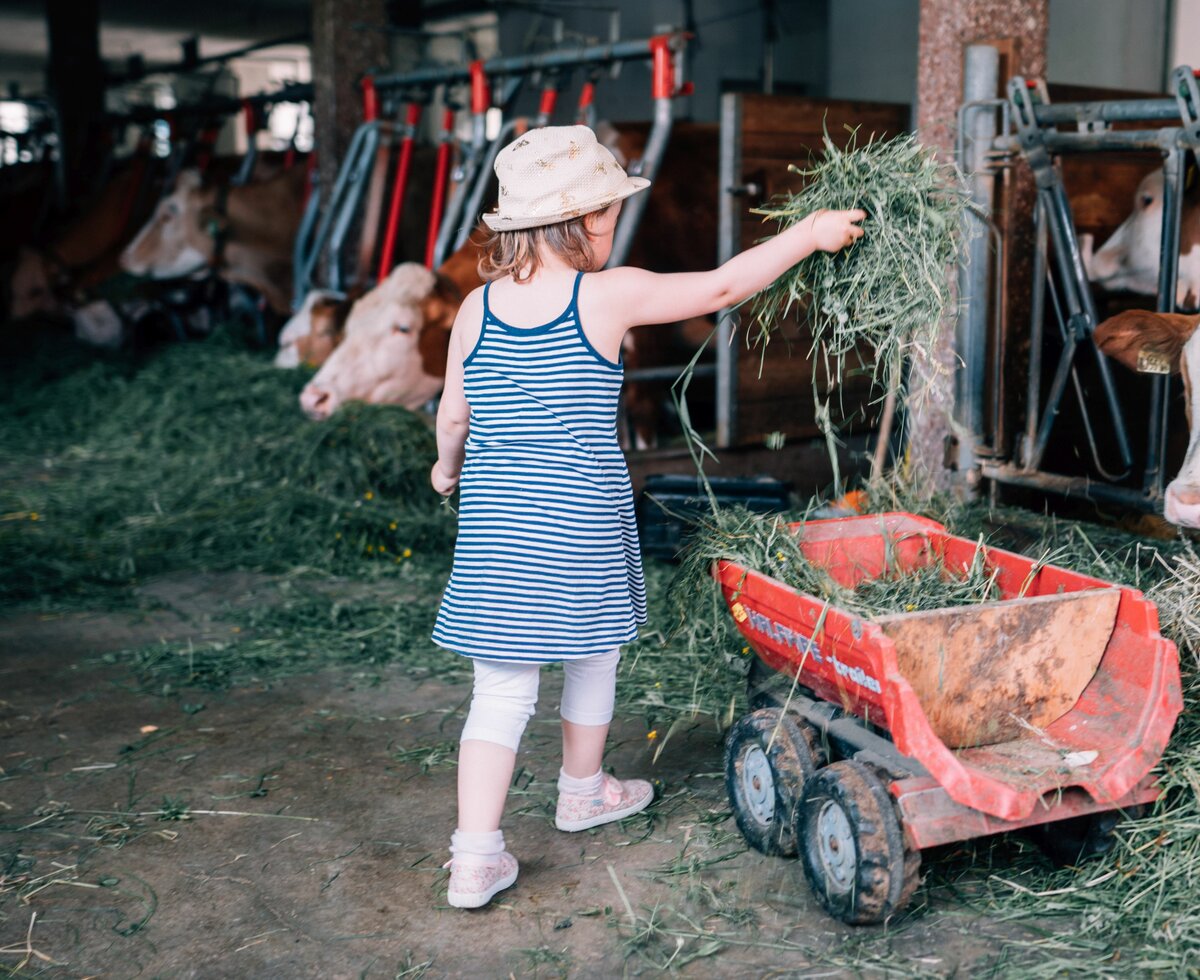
1185,34
873,50
1109,43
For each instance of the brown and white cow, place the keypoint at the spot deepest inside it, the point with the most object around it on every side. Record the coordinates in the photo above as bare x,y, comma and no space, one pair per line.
395,333
1128,338
244,233
1130,259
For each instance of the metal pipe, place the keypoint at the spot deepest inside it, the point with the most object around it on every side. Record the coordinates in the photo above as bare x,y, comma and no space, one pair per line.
669,372
631,213
412,119
470,213
1116,141
463,177
439,186
525,64
729,228
1070,486
981,78
1125,110
356,188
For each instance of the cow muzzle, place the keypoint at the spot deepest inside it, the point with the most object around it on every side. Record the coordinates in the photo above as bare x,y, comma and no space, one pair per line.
1182,504
318,403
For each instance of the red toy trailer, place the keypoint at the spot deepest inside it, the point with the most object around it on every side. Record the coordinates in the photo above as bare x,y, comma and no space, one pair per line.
872,740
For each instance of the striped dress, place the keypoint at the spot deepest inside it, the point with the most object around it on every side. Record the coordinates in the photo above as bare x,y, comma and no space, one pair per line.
547,565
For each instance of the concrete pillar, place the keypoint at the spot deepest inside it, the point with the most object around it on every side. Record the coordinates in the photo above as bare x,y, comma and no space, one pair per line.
342,50
947,27
75,79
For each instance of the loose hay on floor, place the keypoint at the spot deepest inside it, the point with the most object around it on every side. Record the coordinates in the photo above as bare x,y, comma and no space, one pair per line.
200,458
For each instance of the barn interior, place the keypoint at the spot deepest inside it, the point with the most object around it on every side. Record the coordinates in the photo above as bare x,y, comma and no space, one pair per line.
237,238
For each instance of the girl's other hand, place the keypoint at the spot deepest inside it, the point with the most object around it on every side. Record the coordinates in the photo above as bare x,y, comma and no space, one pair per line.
443,484
833,230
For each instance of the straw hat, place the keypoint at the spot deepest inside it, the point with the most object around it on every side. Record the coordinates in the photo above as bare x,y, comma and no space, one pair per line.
556,173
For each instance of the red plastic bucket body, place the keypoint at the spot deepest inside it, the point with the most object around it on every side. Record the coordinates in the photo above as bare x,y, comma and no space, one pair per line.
1121,722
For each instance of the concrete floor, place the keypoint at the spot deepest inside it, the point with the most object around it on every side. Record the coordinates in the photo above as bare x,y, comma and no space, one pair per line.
330,800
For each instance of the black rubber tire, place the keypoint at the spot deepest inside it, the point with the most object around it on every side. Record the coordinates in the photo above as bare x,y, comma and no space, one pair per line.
791,757
767,688
1068,842
883,871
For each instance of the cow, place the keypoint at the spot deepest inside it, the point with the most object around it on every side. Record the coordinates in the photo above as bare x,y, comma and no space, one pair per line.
49,279
314,330
1129,260
1174,339
243,234
677,233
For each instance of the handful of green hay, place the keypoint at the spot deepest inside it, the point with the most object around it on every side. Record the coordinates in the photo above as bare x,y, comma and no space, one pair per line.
889,290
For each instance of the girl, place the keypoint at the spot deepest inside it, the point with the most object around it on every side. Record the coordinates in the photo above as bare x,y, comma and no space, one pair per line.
547,566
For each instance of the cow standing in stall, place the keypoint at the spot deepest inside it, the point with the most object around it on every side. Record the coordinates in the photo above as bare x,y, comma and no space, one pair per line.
241,234
396,337
1130,258
1174,337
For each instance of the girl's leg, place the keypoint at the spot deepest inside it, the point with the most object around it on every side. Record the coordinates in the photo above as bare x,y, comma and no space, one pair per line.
587,797
504,699
589,693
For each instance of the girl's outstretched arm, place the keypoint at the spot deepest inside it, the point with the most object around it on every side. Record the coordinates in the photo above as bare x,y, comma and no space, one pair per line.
453,417
631,297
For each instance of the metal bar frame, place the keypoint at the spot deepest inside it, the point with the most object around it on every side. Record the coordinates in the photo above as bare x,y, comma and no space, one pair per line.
1075,309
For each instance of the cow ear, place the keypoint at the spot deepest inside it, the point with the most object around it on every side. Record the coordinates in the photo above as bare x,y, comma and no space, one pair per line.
440,307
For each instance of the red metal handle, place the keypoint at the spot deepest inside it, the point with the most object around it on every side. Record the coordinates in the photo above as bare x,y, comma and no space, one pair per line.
249,117
370,99
481,96
399,188
445,145
587,95
662,85
549,101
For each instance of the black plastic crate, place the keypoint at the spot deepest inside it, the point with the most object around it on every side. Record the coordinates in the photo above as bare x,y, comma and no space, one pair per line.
669,505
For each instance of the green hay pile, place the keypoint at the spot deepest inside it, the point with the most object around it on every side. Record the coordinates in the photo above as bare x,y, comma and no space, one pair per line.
200,458
888,292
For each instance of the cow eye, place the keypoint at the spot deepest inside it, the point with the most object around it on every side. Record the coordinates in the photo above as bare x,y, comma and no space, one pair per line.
400,328
1147,200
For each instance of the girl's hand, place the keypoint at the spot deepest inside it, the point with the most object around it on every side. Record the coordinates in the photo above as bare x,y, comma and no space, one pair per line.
443,484
833,230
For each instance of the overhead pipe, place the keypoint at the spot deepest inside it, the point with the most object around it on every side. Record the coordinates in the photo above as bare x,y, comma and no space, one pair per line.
663,90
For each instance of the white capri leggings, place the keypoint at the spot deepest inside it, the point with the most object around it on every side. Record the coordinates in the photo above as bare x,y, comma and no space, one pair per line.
506,693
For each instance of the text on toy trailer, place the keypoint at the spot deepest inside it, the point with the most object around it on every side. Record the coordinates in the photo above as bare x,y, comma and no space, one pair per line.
807,646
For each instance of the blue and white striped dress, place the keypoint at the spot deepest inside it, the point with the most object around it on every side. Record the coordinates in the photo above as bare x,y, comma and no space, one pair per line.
547,565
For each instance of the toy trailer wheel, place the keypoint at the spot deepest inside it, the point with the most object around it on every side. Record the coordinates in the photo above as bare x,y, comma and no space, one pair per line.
852,845
768,759
1068,842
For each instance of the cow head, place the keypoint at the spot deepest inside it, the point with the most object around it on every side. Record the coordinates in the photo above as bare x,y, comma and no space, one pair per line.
314,330
395,345
1182,505
36,285
178,239
1173,340
1130,258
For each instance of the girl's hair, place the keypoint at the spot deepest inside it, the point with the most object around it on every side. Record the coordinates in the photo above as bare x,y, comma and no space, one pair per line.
516,253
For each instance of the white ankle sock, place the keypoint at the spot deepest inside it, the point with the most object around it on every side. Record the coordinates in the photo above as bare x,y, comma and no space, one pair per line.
477,847
588,786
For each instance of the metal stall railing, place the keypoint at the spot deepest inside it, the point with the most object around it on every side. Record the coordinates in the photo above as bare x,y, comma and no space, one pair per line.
1029,128
494,82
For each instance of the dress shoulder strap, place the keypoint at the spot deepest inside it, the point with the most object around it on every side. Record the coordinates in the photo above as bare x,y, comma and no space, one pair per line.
487,312
575,292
